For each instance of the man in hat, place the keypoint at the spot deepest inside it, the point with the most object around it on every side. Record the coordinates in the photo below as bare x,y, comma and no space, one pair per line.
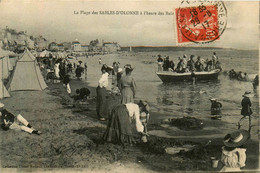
233,153
215,107
10,121
246,108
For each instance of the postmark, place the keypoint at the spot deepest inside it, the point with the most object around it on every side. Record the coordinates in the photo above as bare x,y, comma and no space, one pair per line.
200,21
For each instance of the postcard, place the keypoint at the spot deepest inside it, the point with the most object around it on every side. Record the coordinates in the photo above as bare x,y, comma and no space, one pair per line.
129,86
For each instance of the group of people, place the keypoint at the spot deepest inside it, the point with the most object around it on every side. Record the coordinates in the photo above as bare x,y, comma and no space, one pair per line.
233,155
128,119
238,75
246,110
185,65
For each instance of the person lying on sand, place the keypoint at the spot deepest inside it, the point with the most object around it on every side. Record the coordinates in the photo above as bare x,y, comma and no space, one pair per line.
10,121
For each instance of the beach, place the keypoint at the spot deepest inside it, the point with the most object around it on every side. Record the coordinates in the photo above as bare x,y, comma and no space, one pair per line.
72,138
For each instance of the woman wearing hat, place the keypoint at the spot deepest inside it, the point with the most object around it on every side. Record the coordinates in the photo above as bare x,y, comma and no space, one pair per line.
125,122
233,153
127,86
246,107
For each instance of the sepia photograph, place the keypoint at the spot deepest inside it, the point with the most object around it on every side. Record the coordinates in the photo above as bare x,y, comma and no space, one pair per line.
129,86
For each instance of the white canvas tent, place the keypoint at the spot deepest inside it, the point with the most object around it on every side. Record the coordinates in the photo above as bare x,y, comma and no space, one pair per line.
5,66
44,53
3,91
27,74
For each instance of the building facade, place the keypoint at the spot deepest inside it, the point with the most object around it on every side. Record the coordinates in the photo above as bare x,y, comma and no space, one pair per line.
76,46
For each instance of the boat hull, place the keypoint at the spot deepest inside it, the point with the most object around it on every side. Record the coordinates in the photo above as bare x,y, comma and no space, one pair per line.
167,77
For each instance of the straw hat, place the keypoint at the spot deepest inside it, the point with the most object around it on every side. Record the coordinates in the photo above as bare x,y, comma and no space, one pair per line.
1,105
236,138
247,94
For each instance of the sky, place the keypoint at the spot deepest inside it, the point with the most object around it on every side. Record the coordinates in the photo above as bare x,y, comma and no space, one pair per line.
56,20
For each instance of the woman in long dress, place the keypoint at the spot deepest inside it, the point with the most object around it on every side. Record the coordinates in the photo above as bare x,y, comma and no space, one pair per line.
124,123
127,86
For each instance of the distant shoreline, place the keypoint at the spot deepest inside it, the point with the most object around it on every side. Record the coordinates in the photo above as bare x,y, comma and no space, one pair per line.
177,48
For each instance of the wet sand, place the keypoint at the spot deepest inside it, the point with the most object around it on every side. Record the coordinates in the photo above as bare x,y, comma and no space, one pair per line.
71,139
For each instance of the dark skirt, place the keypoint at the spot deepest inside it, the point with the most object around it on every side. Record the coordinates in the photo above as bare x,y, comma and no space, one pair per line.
120,129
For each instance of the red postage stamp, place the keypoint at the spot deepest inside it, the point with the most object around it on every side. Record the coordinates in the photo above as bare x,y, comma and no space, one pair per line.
200,21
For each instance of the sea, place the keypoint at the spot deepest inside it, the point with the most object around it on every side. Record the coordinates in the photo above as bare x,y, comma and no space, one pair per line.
183,98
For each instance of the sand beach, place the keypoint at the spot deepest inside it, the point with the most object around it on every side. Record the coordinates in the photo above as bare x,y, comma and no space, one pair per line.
71,138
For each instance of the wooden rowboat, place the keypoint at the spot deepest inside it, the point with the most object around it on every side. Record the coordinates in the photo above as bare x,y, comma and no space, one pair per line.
168,76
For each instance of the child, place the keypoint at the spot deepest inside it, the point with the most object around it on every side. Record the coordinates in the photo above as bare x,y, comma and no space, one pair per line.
233,153
66,83
215,107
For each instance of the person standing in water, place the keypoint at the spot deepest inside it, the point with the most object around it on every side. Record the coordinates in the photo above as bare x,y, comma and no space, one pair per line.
246,109
127,86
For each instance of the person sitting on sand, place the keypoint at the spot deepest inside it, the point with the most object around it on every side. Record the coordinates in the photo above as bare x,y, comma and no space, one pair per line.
215,107
10,121
234,153
124,123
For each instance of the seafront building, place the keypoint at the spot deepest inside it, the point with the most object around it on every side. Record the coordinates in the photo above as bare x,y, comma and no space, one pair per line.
12,40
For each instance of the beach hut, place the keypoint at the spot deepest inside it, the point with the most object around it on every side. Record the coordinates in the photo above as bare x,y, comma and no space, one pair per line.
27,74
3,91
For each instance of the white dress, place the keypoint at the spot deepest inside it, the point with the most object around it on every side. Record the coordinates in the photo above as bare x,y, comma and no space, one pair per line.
233,160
